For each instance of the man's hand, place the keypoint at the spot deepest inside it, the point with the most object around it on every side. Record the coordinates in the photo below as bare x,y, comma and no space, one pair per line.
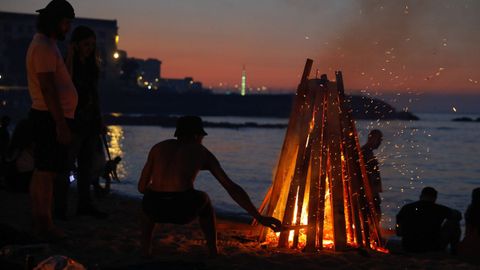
64,135
271,222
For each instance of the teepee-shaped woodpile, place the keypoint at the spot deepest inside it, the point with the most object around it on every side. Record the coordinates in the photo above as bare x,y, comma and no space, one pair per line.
320,190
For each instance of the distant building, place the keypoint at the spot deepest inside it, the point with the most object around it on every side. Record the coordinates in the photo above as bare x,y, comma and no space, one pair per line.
17,30
148,75
181,86
149,69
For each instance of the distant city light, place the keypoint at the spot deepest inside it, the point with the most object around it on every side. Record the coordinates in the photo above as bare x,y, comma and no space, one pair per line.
0,76
116,55
149,87
454,109
117,39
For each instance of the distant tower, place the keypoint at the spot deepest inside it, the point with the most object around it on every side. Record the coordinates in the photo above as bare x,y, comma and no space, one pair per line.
244,82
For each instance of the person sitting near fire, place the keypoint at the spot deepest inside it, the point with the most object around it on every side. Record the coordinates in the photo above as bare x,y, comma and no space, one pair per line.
469,247
167,184
372,167
426,226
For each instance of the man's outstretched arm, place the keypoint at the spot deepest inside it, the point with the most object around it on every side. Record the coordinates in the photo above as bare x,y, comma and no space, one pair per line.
239,195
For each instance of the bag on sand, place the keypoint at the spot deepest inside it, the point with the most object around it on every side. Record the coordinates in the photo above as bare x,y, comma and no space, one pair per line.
59,262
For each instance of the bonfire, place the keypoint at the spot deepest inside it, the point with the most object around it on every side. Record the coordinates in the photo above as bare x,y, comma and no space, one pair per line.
320,190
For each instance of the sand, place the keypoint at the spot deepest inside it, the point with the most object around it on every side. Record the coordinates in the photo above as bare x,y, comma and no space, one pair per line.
114,244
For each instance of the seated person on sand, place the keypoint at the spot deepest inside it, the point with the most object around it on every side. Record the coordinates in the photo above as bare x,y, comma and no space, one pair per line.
426,226
469,248
167,184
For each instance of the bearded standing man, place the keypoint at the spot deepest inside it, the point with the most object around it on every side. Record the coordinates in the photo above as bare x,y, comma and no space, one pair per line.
54,100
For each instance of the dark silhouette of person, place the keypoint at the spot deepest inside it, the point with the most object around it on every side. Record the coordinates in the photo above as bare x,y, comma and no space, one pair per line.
4,136
4,142
82,64
167,184
427,226
469,248
372,167
54,99
20,157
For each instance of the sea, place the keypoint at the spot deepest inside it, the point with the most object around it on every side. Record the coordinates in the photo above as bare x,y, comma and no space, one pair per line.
434,151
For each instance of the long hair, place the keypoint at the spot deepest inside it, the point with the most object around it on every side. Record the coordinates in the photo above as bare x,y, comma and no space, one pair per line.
476,197
81,33
472,216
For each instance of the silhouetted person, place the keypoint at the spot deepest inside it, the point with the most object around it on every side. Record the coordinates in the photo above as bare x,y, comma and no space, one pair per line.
20,157
81,61
167,184
469,248
54,100
427,226
372,167
4,135
4,142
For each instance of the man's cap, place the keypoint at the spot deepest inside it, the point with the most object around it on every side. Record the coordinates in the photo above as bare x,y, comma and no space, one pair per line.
189,125
58,7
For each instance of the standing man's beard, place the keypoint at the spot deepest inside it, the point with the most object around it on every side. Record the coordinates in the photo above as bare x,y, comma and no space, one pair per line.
60,36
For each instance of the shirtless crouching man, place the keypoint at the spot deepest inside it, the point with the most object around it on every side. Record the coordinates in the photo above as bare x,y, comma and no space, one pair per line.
167,184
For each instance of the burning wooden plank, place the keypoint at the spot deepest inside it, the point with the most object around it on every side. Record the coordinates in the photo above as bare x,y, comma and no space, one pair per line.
320,189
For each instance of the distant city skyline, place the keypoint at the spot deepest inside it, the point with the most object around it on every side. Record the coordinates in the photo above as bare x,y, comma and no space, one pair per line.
400,46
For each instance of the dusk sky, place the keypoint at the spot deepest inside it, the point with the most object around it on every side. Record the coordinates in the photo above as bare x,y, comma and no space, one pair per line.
394,46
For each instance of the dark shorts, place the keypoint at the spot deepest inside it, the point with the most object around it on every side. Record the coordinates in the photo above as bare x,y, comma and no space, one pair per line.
48,154
174,207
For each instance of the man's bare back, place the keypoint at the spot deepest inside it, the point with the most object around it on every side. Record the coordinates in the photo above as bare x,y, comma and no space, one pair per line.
172,166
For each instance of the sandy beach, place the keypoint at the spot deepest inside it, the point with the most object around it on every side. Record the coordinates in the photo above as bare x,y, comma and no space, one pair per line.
114,244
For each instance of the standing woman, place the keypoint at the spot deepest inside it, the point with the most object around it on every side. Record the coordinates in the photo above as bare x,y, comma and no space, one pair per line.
82,64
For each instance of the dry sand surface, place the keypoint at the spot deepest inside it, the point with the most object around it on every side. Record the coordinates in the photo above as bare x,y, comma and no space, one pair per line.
114,244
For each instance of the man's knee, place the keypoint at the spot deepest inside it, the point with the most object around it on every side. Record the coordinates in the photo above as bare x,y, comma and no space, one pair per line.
205,202
202,197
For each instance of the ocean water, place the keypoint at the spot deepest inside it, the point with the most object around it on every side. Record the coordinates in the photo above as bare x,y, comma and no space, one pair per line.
434,151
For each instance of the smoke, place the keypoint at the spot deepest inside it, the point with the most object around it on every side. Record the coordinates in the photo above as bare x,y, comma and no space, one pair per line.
398,45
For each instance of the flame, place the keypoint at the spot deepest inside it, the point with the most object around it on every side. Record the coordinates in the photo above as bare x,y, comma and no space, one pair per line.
328,227
328,240
328,218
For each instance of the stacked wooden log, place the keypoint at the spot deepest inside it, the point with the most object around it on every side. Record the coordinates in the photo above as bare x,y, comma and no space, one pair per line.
321,187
